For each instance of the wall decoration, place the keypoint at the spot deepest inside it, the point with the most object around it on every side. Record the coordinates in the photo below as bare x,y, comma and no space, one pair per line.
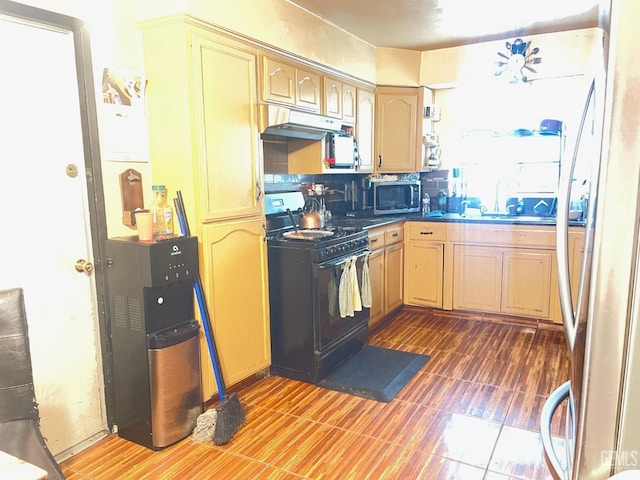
518,61
122,121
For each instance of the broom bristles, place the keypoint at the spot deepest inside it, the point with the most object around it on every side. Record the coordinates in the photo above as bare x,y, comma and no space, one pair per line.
229,418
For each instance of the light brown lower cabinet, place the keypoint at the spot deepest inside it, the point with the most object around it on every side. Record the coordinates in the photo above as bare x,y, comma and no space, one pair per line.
424,286
509,269
424,260
393,258
377,275
236,286
526,277
515,282
477,278
386,270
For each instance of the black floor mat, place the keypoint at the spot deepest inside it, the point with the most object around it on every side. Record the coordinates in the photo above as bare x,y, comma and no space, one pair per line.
374,372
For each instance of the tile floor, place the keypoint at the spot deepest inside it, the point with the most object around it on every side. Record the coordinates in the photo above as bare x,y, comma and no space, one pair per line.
472,412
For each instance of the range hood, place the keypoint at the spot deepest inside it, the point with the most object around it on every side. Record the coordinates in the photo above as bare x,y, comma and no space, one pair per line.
286,122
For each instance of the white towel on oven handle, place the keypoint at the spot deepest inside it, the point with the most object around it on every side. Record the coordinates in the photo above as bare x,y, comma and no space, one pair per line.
355,288
345,296
365,291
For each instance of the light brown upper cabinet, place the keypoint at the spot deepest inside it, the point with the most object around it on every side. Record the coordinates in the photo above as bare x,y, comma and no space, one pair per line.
332,97
396,129
308,89
290,85
340,100
400,126
349,104
364,128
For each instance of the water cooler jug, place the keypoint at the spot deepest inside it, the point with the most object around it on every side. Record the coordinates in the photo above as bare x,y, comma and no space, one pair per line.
156,357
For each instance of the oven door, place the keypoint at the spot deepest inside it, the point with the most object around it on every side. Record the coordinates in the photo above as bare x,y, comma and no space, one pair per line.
334,325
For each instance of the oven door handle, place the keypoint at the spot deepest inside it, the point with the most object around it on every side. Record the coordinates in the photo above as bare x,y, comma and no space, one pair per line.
336,262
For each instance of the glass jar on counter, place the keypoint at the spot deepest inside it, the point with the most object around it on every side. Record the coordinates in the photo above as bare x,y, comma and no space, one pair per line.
162,212
426,204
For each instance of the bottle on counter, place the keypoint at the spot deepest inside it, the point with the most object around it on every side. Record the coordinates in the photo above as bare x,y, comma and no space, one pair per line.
442,201
426,204
162,212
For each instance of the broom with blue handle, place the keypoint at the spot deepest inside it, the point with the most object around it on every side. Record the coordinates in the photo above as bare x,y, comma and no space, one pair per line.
230,415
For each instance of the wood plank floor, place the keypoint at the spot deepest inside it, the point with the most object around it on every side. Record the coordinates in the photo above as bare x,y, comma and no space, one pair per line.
472,412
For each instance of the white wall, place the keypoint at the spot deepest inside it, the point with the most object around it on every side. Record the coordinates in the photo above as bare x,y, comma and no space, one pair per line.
278,23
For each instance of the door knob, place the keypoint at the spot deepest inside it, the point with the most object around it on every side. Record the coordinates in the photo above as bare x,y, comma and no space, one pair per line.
83,266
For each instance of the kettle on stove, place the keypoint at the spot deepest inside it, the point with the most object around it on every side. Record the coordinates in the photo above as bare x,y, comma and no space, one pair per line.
310,215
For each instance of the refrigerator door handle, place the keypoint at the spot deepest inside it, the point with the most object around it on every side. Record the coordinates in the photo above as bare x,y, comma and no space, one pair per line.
569,319
546,416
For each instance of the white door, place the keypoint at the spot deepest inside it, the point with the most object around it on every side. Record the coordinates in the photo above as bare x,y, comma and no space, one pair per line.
45,228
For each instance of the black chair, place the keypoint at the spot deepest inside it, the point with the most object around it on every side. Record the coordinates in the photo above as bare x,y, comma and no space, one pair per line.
20,433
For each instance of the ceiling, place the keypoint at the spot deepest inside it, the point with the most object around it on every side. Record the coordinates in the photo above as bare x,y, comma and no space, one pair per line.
431,24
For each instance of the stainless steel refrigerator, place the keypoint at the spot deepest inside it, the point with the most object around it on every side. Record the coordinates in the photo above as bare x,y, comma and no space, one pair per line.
603,393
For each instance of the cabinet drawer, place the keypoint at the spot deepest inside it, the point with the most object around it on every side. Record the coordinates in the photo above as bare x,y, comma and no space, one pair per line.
426,231
509,235
393,234
376,238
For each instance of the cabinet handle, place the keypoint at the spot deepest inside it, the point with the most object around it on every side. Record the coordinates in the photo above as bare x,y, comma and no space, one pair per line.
374,240
259,191
426,233
379,161
394,234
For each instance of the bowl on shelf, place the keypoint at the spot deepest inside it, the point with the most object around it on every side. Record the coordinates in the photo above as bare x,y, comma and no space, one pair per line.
575,214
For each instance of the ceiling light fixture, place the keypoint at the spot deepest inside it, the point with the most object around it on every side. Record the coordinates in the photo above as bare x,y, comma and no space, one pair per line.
518,60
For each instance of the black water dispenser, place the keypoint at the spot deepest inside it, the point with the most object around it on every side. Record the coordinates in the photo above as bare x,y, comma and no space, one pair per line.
156,356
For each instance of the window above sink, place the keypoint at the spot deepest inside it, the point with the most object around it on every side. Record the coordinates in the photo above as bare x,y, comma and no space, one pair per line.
491,133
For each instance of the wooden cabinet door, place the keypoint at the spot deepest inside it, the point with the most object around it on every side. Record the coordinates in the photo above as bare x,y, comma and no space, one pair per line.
236,289
526,280
477,278
377,276
308,90
278,80
394,267
349,104
226,131
332,97
364,129
424,269
396,127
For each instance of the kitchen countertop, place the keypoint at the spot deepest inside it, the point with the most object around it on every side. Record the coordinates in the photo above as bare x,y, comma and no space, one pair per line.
367,223
382,220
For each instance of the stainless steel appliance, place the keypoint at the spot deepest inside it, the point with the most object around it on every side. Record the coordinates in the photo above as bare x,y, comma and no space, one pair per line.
310,334
603,393
396,196
286,122
156,357
342,152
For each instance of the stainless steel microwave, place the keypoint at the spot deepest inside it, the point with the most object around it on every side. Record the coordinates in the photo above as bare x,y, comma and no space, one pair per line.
396,197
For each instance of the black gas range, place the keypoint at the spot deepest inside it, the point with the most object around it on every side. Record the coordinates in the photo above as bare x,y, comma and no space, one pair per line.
322,244
310,333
